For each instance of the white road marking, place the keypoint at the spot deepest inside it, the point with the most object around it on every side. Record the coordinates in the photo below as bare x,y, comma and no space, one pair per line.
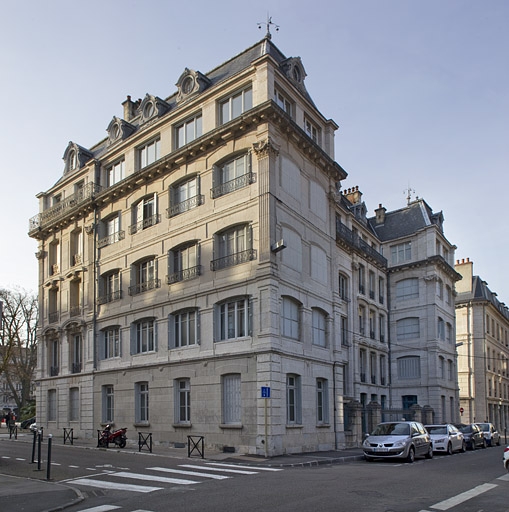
225,470
258,468
75,467
101,508
115,485
154,478
505,478
190,473
464,496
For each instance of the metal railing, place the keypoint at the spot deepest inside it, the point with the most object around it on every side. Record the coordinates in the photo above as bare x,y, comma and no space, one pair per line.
184,206
233,259
143,287
145,223
184,274
355,242
109,297
110,239
232,185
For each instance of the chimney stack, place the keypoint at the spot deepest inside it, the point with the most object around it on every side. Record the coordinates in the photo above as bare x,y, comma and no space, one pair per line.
353,195
129,108
465,267
380,214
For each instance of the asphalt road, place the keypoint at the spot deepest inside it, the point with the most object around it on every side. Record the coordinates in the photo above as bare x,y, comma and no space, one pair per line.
128,482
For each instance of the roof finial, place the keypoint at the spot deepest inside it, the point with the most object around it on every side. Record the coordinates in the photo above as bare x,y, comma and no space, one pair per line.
267,24
409,192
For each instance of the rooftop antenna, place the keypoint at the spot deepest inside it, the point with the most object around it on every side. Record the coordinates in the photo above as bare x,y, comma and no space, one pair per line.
408,191
267,24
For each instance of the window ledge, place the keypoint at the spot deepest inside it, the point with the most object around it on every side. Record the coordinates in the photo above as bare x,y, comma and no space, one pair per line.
142,424
231,426
182,425
323,425
294,426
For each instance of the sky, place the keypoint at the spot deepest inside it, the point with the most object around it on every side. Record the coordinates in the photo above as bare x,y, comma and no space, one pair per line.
419,89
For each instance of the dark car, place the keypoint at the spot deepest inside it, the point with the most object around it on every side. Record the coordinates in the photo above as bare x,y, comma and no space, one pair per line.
27,423
473,435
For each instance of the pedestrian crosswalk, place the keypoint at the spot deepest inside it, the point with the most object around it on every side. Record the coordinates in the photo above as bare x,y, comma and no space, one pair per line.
157,478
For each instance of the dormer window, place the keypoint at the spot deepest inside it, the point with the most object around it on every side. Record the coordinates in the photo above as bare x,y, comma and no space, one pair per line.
152,107
190,83
75,157
118,130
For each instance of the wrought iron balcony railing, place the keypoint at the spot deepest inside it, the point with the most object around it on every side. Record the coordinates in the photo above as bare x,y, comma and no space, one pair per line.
232,185
76,368
109,297
53,371
144,287
145,223
63,207
110,239
355,242
184,275
75,310
233,259
184,206
53,317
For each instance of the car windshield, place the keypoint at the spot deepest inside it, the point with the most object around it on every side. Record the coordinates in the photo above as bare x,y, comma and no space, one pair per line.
484,426
394,429
466,429
437,430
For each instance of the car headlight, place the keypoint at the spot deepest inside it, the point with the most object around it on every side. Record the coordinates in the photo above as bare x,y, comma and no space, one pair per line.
400,443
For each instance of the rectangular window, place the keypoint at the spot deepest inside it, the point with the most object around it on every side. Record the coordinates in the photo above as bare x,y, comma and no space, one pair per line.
401,253
362,278
312,130
282,101
144,336
407,328
111,342
407,289
184,196
290,319
344,331
236,105
182,401
149,153
409,367
232,175
293,400
76,353
115,173
74,404
108,404
141,402
52,405
363,364
322,404
183,263
233,319
185,329
383,370
188,131
318,328
343,287
232,399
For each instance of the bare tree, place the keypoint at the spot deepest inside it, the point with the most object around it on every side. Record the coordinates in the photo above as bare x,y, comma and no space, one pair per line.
18,342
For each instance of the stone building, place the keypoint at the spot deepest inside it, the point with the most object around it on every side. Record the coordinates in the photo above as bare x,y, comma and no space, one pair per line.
482,335
201,272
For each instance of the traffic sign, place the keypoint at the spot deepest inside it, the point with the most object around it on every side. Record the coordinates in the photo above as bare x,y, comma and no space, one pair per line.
265,392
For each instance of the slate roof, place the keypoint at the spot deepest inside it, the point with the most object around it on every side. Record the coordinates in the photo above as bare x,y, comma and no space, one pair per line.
406,221
480,292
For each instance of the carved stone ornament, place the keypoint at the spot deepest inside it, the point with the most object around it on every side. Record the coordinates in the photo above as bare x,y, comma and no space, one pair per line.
265,147
118,130
89,230
190,83
152,107
75,157
40,255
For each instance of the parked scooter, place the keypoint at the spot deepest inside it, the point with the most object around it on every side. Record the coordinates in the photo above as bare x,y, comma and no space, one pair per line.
118,437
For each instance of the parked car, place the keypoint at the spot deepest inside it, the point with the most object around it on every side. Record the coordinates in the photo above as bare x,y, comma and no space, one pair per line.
27,423
506,458
446,439
398,439
490,433
474,436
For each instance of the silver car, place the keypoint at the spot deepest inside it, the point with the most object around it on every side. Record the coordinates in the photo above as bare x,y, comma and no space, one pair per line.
398,439
446,439
490,433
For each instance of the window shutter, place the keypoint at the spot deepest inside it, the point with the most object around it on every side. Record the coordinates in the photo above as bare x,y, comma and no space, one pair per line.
197,313
250,317
139,212
216,321
249,235
155,203
133,339
171,331
155,334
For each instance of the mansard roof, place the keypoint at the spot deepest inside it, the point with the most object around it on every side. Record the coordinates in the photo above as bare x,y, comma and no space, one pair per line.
406,221
481,292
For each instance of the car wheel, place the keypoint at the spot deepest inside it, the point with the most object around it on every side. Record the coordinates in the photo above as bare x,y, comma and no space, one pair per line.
463,447
484,445
449,449
498,442
429,455
472,444
411,455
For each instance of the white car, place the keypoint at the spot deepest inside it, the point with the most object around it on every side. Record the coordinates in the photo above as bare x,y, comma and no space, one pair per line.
506,458
446,439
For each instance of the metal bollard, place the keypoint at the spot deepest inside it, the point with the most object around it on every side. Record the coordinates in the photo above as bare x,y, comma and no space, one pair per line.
48,467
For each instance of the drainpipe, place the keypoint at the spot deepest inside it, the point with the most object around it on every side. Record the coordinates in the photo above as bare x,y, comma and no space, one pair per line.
335,406
95,264
389,353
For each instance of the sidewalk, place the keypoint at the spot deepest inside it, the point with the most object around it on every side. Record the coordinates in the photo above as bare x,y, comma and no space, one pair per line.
24,494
